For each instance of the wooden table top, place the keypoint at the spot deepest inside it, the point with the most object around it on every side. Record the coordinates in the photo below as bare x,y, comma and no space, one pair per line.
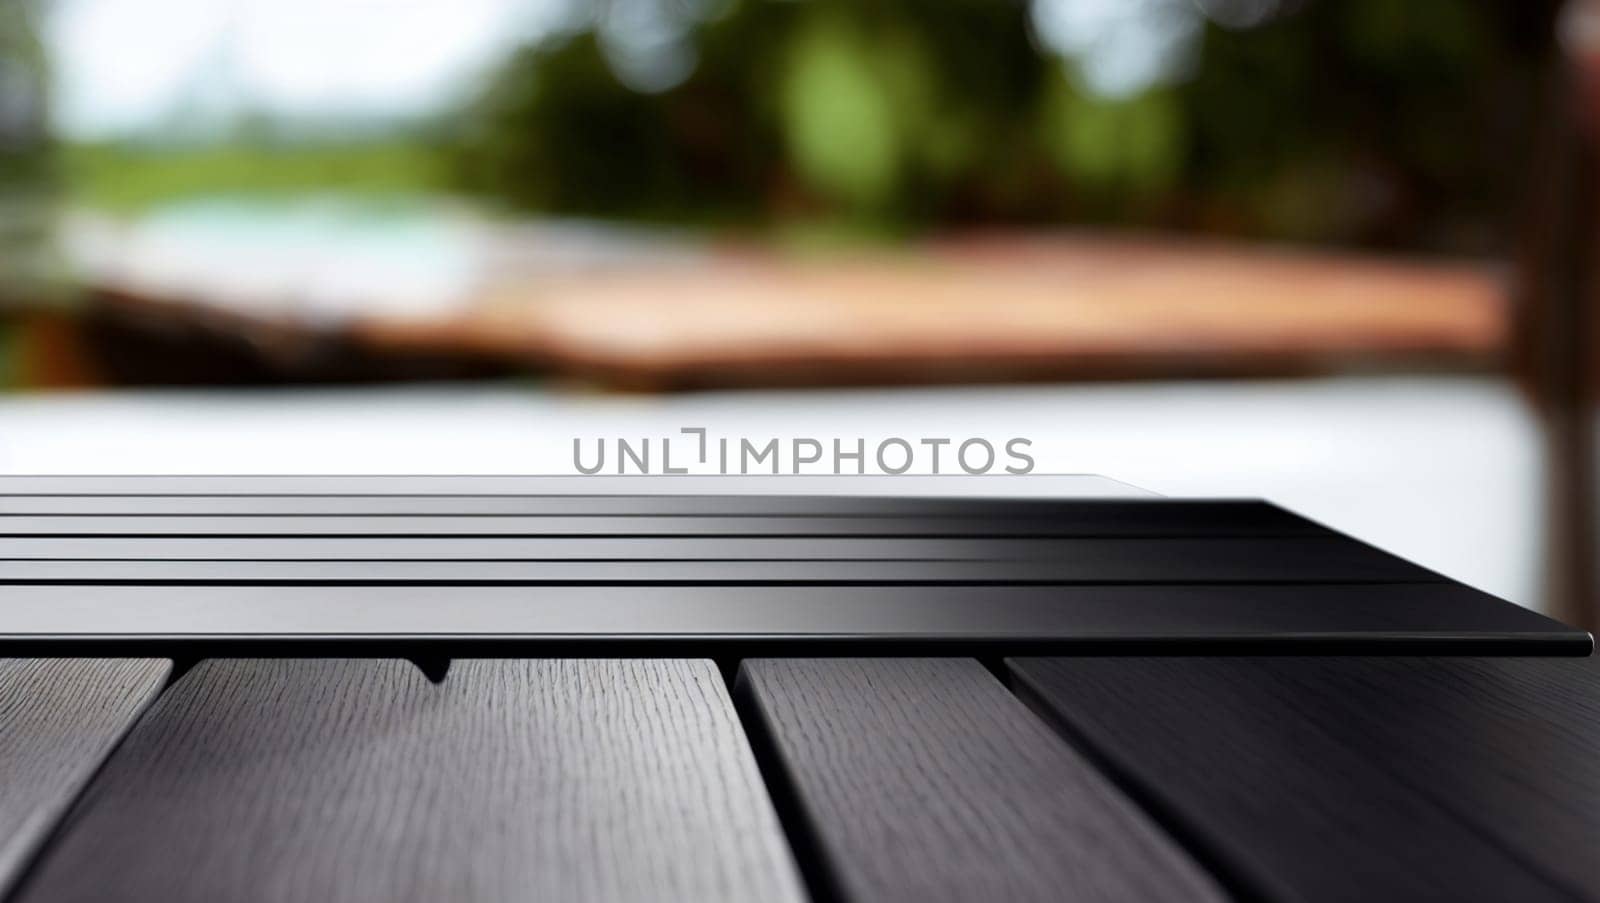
347,688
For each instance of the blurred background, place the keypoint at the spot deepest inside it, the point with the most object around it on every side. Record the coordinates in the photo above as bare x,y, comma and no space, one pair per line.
1330,253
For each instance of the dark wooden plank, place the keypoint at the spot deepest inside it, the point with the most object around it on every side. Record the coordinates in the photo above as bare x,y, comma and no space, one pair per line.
706,573
1509,745
1413,617
1056,486
1276,559
1141,515
620,525
360,780
434,515
59,719
1354,779
924,780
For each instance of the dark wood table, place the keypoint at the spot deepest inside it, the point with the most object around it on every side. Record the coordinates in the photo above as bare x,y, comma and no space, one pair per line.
502,689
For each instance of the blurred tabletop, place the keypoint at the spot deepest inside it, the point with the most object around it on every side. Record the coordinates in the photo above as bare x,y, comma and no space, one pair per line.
329,290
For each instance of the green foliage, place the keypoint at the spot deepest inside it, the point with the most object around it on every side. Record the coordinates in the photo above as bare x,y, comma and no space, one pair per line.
1361,121
559,132
28,172
1131,149
842,121
1377,122
879,113
9,356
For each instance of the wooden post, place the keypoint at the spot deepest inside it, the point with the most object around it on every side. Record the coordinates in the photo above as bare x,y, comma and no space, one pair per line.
1558,290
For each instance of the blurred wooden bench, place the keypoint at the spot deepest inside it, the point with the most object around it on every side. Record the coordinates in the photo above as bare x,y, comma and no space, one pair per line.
978,308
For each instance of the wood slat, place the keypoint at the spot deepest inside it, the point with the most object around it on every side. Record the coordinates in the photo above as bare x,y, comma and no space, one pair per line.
1290,559
59,719
325,780
1409,617
858,487
640,526
594,514
1163,515
1510,745
924,780
705,573
539,525
1354,779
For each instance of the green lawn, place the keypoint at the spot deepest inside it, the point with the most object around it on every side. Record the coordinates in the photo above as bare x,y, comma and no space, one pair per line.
8,356
125,178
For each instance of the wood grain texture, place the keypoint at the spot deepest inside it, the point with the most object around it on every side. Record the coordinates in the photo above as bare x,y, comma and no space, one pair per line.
322,780
1300,559
1355,778
59,719
924,780
1431,616
1070,570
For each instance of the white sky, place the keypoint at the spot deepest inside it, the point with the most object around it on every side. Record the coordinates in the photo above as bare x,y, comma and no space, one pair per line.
142,66
129,65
